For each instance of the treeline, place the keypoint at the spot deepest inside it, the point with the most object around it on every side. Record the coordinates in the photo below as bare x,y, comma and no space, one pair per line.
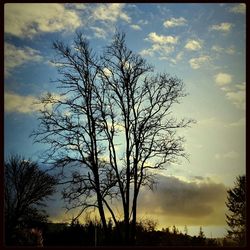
91,234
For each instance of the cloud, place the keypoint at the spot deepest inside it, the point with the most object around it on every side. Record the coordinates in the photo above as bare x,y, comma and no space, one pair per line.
223,27
162,45
28,20
135,27
223,79
162,50
193,45
110,12
161,39
173,22
210,122
23,104
15,57
197,62
99,32
238,98
229,50
228,155
178,57
235,93
197,201
239,123
238,9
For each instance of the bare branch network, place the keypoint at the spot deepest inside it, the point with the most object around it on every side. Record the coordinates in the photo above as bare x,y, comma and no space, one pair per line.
111,127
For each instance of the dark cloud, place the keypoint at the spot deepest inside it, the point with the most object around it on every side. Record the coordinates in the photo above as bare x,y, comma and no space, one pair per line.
175,201
175,197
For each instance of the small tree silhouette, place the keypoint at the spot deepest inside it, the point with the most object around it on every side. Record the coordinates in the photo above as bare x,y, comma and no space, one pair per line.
25,188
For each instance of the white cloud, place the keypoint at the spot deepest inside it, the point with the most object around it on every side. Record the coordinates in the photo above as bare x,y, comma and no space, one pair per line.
229,50
178,57
21,104
193,45
235,93
238,9
238,98
161,39
135,27
24,104
162,50
223,79
110,12
173,22
228,155
223,27
99,32
28,20
197,62
143,22
15,57
162,45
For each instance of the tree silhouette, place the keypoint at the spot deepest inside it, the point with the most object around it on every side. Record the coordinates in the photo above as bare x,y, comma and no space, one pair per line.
236,203
112,126
25,187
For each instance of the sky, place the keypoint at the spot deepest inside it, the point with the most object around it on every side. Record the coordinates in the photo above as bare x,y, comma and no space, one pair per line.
203,44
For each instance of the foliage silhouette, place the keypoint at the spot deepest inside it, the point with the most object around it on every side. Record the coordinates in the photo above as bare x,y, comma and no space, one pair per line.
77,234
236,219
26,187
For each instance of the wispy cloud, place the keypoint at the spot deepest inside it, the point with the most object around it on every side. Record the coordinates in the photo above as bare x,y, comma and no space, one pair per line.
99,32
16,56
237,96
239,123
193,45
25,104
174,22
135,27
21,104
162,50
222,27
234,93
230,50
197,62
238,9
222,79
228,155
161,39
28,20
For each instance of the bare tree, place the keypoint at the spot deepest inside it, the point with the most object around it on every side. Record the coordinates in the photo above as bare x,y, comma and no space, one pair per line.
69,124
112,125
142,103
25,187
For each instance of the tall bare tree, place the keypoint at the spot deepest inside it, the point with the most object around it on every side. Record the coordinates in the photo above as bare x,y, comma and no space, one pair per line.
142,104
109,100
69,126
